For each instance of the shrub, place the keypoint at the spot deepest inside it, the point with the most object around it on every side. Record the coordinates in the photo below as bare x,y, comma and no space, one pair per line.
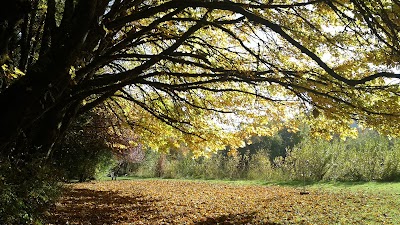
212,167
369,157
260,167
230,167
309,160
147,168
391,163
81,162
26,191
161,165
391,166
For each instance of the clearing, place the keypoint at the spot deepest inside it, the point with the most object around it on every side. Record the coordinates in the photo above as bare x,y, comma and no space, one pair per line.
202,202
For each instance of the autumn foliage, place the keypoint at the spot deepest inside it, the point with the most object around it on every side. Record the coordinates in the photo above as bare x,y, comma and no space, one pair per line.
94,144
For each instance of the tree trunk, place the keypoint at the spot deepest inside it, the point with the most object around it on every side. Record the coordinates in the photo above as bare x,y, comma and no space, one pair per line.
30,101
37,105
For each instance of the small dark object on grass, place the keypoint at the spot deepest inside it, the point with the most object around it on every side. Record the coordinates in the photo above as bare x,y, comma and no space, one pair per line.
304,193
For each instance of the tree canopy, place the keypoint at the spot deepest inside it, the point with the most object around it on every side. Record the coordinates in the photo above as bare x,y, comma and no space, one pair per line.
199,73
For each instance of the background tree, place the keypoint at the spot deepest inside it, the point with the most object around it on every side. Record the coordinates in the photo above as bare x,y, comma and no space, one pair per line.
94,144
275,145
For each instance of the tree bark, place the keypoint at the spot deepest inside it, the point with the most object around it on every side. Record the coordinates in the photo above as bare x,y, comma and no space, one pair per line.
36,105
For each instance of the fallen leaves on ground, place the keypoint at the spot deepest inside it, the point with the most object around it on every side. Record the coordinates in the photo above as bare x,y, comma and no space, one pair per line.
189,202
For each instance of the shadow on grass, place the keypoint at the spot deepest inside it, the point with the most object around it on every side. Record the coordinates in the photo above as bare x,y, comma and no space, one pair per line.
243,218
317,183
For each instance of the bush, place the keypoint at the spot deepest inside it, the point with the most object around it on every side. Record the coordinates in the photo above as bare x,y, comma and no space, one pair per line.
260,167
369,157
229,167
310,160
92,143
391,163
147,168
198,168
80,162
26,191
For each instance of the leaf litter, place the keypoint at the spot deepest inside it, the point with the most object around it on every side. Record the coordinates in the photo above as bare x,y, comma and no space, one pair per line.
196,202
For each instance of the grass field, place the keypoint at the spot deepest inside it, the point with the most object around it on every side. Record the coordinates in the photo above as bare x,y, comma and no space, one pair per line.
151,201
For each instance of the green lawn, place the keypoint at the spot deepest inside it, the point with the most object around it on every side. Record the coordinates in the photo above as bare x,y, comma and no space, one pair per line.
371,187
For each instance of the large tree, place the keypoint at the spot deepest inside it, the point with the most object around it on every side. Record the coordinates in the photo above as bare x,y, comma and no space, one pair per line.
196,70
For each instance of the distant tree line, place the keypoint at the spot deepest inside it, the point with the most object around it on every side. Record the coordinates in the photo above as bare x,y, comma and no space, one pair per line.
286,156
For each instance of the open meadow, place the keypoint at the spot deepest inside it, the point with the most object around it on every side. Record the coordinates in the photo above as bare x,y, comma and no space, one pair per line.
205,202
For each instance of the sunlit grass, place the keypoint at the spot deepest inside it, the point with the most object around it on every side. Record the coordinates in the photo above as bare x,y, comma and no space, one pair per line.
370,187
